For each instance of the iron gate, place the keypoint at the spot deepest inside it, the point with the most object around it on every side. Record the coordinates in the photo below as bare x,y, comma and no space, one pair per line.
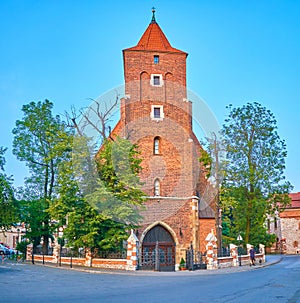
158,250
195,259
159,257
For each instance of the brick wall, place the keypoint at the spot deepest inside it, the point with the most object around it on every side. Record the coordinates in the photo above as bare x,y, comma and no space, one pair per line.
139,64
290,230
206,225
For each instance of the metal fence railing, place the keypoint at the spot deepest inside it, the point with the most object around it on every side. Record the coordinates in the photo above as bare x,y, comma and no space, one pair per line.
110,254
195,259
39,250
224,252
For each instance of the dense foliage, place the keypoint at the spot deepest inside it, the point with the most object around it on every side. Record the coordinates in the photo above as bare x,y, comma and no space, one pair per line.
99,209
8,203
39,141
254,184
94,202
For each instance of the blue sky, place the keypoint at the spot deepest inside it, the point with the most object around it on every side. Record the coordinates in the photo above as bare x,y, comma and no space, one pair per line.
69,51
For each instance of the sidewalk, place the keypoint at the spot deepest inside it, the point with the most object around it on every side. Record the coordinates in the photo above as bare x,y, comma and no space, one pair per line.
270,260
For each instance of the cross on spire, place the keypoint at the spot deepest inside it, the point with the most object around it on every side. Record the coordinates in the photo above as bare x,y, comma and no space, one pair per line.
153,15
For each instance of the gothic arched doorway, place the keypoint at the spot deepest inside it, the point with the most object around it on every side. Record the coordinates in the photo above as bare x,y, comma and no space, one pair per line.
158,250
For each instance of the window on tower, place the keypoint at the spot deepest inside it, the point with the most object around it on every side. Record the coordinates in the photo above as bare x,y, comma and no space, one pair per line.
156,146
157,112
156,80
156,187
156,59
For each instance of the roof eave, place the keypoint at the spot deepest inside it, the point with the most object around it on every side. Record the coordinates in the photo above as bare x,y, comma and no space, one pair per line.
174,51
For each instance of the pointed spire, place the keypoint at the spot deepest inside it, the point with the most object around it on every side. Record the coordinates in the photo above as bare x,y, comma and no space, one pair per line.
153,15
154,39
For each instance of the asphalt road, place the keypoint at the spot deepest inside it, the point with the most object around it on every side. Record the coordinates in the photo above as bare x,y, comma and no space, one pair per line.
33,283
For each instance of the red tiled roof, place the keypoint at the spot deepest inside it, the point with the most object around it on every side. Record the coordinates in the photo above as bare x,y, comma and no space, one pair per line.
295,199
154,39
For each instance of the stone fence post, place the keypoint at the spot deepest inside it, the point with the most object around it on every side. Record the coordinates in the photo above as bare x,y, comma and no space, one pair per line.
263,252
234,254
132,252
56,253
88,257
29,252
211,251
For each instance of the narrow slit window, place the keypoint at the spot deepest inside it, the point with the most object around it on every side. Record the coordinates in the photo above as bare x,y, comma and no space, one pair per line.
156,146
156,59
156,188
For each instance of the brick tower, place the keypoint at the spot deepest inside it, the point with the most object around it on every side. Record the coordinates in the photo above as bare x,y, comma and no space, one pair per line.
157,115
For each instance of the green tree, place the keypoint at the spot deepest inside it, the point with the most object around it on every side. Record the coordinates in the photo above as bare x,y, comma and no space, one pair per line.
8,203
97,210
100,196
39,141
118,194
33,212
212,159
254,184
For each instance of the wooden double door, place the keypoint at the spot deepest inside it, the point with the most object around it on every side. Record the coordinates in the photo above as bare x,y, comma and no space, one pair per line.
158,250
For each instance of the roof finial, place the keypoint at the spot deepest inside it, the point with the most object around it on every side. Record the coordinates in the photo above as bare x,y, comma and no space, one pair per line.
153,15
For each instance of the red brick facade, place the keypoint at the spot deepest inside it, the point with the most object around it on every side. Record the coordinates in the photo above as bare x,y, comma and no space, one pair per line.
157,116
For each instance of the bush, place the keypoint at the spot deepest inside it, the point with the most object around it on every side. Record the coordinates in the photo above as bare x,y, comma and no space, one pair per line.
182,263
21,247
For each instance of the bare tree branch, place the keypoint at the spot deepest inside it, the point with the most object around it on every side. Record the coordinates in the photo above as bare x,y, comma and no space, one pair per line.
96,116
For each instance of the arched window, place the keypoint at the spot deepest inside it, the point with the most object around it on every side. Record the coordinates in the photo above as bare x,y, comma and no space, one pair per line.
156,187
156,145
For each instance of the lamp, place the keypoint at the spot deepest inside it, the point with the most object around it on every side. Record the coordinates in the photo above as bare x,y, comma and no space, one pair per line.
60,242
239,238
180,232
